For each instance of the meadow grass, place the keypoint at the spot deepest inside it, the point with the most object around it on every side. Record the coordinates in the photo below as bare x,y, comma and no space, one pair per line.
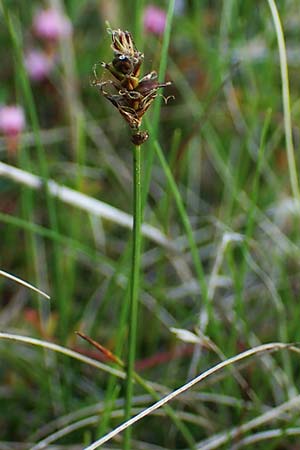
201,314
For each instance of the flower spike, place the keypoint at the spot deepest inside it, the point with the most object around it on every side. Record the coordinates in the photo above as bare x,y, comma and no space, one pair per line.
131,95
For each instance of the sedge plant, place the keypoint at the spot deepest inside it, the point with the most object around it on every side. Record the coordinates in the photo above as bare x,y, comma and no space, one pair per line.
132,96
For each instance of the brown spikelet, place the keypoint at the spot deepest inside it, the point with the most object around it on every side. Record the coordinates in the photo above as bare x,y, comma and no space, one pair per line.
131,95
109,355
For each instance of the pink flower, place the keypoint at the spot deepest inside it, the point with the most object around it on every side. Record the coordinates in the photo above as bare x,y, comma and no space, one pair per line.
12,120
50,24
38,64
154,20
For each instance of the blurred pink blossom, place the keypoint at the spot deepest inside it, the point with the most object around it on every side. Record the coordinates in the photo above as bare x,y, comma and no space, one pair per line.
155,19
38,64
51,24
12,120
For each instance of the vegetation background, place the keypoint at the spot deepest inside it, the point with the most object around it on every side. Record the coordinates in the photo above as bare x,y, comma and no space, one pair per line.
220,259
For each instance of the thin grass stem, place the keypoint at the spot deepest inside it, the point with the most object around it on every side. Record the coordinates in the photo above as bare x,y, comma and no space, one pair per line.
251,217
286,100
137,24
157,104
188,229
134,286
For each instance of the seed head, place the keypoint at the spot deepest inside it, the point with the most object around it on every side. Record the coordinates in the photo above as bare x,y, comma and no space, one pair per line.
129,93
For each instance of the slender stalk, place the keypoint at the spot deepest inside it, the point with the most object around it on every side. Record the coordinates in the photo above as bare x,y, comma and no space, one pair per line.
286,101
157,104
251,219
112,389
134,286
188,229
137,22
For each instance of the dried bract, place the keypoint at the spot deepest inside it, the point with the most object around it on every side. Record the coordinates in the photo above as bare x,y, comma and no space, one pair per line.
139,137
131,95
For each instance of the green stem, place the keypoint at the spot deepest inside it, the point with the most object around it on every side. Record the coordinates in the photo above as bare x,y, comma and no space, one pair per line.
134,286
188,229
157,104
241,274
169,411
286,101
138,8
148,388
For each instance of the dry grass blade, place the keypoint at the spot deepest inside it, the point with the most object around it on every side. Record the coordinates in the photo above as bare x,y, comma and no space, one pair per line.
275,346
23,283
64,431
94,419
265,435
64,351
83,202
215,442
